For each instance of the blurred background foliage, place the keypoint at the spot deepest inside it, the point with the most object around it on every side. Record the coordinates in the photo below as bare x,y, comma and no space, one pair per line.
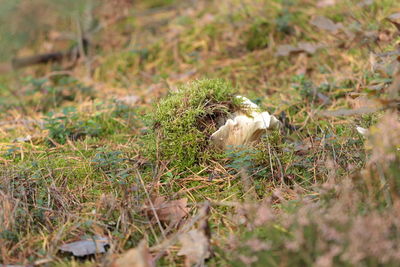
27,23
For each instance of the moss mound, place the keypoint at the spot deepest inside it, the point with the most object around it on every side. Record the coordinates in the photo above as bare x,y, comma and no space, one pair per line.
183,122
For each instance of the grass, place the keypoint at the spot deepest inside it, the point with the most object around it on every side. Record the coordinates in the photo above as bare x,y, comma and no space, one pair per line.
315,193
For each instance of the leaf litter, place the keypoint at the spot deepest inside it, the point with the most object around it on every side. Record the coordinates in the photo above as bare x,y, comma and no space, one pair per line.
309,48
170,212
173,212
195,247
135,257
86,247
326,24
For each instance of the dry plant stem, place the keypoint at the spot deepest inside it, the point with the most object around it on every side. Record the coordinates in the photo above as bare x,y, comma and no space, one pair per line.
166,243
248,185
58,73
384,185
81,46
270,158
151,204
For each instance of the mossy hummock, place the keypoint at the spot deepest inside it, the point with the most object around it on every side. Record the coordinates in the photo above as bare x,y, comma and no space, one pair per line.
183,122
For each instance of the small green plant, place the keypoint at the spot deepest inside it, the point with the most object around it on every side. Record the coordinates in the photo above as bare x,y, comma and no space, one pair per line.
70,125
182,123
110,162
311,92
283,22
257,35
107,160
46,93
240,158
158,3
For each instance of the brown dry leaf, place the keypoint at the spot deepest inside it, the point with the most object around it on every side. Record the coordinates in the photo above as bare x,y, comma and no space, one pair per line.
309,48
135,257
362,102
366,3
324,23
385,36
285,50
325,3
394,16
386,63
195,247
395,20
169,211
394,88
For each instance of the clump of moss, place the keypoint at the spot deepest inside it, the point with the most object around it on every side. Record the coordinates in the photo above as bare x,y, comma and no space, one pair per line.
183,122
257,36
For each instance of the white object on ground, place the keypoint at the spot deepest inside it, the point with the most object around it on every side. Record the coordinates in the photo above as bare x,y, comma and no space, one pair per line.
244,127
362,131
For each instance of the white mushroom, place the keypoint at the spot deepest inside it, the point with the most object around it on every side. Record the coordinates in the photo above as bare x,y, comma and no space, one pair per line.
245,127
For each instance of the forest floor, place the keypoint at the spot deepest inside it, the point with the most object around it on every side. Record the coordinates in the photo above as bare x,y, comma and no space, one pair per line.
76,164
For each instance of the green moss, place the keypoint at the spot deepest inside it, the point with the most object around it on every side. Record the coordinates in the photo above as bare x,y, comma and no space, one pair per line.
183,122
257,35
158,3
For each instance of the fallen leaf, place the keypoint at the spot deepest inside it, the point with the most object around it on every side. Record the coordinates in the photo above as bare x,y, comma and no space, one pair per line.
285,50
309,48
394,16
325,3
86,247
366,3
23,139
168,211
135,257
395,20
323,98
195,247
128,100
324,23
394,88
386,63
385,36
362,102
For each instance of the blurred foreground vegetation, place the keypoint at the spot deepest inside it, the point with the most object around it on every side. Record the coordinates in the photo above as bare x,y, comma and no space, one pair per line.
102,140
